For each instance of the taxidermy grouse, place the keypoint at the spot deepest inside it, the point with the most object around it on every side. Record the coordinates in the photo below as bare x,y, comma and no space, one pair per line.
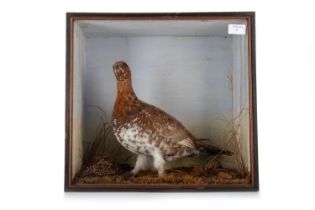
152,134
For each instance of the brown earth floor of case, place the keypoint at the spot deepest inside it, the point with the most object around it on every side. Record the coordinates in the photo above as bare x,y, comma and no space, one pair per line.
105,171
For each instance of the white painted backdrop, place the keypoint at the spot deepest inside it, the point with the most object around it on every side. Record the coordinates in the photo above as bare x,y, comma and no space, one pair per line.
185,76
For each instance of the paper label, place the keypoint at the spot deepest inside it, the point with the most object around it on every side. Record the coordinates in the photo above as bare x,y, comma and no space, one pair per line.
238,29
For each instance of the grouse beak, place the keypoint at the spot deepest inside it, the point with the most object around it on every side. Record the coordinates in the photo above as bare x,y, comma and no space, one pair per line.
116,68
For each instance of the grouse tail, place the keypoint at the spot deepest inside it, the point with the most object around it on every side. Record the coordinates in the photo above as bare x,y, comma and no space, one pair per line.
206,146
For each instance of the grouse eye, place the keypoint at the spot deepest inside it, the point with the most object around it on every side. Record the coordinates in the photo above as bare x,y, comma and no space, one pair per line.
124,65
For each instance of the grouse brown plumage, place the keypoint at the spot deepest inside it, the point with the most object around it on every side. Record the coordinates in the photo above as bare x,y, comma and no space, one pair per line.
152,134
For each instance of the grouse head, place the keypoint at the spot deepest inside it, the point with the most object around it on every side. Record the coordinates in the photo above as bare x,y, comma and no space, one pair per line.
121,71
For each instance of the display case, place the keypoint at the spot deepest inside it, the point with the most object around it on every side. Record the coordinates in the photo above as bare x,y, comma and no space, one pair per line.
174,90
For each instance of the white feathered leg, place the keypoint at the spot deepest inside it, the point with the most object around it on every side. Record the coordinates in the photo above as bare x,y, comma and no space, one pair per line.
158,162
143,162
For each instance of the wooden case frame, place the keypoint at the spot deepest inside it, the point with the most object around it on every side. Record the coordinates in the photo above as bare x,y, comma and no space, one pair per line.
249,16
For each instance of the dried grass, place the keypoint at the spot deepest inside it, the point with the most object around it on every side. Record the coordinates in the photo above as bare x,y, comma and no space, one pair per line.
231,135
231,138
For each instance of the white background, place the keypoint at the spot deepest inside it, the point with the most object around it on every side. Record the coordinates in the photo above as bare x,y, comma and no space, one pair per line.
32,85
